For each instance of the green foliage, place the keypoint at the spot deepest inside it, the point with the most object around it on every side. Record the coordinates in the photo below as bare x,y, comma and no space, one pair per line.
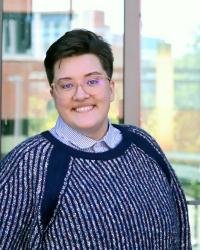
191,188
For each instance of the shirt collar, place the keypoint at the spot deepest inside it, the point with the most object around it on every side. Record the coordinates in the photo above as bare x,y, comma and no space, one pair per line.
71,136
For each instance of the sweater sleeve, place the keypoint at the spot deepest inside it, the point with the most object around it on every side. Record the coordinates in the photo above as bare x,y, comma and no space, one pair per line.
177,191
181,205
22,174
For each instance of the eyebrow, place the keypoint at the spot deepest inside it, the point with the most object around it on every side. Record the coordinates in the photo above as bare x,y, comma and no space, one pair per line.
88,74
94,73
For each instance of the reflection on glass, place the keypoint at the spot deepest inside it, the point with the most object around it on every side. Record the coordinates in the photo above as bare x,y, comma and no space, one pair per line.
29,27
170,101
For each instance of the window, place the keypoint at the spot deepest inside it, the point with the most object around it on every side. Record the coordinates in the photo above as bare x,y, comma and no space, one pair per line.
29,28
170,96
17,33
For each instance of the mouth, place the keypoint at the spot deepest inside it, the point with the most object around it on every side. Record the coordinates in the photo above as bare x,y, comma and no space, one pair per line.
84,109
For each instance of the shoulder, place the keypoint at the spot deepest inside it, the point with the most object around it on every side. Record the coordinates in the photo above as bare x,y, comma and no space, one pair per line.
138,135
25,146
145,142
141,138
32,147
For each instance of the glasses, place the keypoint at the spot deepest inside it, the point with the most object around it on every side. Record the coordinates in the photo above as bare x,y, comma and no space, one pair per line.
90,84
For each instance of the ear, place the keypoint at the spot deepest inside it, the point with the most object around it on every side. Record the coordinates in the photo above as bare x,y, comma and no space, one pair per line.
51,92
112,90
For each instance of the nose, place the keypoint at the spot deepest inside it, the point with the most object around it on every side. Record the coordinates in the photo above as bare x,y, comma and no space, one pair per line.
80,93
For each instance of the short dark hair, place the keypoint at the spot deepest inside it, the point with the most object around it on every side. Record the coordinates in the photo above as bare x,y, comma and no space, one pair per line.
79,42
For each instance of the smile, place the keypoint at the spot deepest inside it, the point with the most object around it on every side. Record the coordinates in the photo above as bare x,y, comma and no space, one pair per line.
84,109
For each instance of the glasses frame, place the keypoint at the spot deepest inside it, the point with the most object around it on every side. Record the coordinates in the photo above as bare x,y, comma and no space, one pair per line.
74,90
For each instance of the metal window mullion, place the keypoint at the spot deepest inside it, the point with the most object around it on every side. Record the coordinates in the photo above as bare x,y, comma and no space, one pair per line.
194,202
132,62
1,37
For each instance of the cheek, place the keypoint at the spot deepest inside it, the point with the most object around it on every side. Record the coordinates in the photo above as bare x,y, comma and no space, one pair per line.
61,102
105,102
108,97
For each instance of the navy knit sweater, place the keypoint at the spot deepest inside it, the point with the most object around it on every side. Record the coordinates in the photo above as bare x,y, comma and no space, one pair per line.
55,197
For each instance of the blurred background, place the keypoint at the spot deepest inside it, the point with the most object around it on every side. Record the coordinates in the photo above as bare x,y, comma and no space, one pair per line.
164,36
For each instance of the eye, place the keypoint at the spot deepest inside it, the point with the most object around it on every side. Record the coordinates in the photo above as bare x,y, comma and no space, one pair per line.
67,85
93,82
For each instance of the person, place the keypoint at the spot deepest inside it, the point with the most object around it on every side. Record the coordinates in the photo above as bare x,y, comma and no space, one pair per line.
88,183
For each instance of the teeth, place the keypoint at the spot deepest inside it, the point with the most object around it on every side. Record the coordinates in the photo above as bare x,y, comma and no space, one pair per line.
84,109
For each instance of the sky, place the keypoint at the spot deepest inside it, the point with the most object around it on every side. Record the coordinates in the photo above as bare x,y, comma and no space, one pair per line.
175,21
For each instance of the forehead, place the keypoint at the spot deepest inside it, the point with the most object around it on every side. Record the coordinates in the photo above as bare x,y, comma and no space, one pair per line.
77,66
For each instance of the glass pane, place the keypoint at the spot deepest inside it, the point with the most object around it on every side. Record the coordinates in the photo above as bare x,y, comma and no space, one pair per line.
29,27
170,88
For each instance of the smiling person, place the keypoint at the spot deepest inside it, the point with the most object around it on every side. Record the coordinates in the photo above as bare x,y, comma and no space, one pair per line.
82,92
88,183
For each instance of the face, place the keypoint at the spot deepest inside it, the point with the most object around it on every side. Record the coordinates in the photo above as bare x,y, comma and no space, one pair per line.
83,111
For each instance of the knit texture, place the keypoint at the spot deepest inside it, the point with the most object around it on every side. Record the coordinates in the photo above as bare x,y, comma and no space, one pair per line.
55,197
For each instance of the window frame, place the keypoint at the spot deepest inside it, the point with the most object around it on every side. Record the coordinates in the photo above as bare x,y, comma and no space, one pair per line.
1,37
132,62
